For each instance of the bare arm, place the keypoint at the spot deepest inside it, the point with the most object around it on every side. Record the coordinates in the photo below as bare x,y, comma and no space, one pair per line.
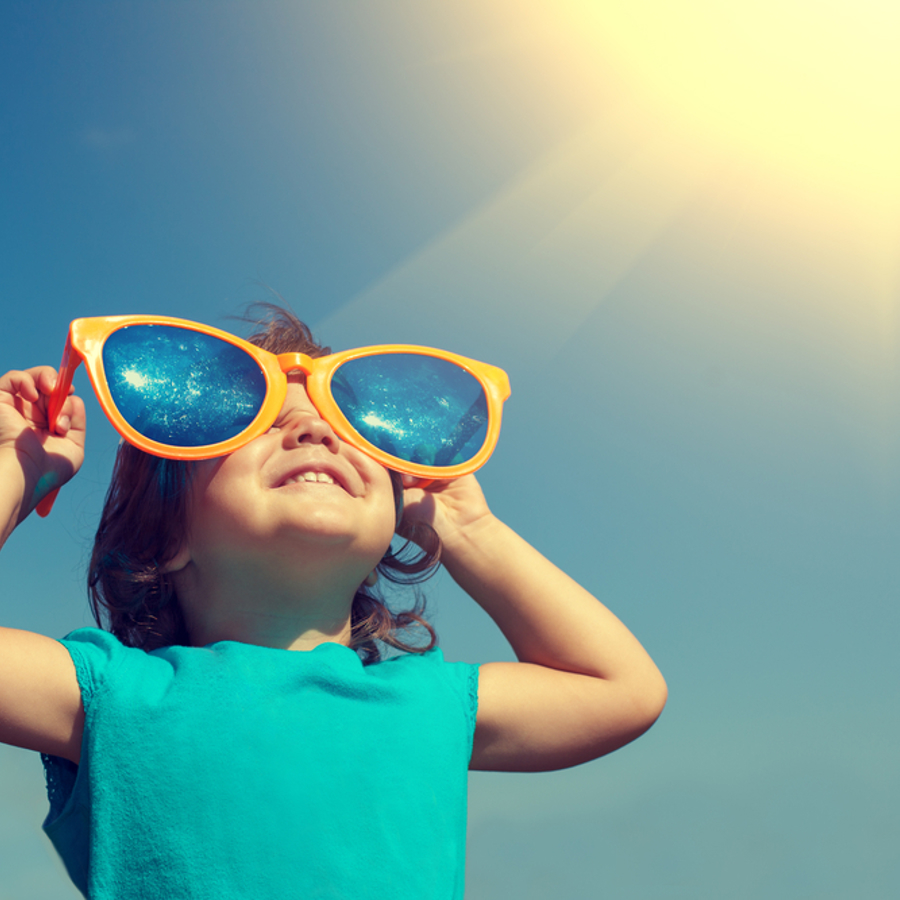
40,702
583,685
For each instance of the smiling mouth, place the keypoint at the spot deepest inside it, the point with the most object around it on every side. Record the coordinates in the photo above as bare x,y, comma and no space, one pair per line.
309,478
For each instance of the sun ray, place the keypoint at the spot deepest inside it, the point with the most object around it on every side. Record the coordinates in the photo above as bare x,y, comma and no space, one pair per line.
587,209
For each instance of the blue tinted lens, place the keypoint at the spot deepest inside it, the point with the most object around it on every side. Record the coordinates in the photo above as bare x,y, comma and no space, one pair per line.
181,387
419,408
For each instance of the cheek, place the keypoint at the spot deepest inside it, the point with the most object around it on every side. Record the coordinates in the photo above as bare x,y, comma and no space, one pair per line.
220,506
215,522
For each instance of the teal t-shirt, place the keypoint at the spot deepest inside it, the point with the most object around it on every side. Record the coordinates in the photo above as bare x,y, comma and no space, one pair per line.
237,771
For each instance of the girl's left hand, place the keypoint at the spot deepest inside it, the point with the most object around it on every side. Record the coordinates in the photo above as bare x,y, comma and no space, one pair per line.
451,508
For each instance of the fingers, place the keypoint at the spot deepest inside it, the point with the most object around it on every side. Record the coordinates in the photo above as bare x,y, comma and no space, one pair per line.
20,384
29,392
71,417
414,481
30,384
46,380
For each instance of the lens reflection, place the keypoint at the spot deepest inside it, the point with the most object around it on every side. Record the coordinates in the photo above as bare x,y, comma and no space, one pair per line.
182,387
421,409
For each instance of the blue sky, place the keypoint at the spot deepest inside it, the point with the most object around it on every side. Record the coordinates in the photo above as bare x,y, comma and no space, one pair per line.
687,263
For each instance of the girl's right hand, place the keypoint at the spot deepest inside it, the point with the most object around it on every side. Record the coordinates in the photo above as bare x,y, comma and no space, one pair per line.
46,461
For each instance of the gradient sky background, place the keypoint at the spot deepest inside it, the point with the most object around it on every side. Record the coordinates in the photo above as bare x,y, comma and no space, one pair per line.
677,226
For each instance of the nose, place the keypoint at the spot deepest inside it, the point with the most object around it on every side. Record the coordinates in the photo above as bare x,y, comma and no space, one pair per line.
308,427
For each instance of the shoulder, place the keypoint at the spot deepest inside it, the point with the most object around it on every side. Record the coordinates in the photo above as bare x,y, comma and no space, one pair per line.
95,642
103,664
430,665
94,652
432,676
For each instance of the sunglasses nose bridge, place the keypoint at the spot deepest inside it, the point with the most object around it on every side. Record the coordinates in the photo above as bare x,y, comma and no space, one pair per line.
295,362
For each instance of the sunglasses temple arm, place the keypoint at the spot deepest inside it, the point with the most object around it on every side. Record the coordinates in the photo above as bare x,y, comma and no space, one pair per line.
57,400
43,508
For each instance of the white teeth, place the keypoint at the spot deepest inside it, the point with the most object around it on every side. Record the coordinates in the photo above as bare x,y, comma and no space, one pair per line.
322,477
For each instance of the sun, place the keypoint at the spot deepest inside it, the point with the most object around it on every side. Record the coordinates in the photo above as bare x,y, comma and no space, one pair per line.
808,88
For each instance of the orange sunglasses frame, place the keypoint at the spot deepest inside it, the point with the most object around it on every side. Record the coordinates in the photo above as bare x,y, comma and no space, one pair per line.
85,343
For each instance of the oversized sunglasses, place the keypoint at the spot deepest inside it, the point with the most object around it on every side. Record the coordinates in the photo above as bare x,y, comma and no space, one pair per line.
183,390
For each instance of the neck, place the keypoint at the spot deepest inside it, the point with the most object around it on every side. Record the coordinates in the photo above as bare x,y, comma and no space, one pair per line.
257,608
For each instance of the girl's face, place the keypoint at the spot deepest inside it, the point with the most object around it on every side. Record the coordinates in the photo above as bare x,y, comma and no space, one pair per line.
297,498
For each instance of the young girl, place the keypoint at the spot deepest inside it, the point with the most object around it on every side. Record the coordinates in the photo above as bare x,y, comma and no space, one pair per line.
256,722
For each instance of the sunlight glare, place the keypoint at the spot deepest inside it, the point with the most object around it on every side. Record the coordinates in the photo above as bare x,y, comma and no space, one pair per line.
810,87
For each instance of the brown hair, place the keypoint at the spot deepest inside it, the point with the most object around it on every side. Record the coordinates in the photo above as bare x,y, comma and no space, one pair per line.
144,523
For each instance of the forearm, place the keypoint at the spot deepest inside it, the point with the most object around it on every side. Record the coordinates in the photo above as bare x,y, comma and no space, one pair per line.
12,490
547,617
